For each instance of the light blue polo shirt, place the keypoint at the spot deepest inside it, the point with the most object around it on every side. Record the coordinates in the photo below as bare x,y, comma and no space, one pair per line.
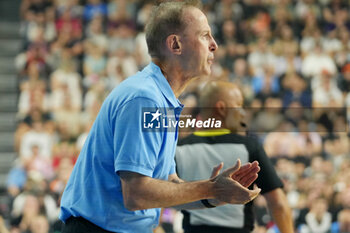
117,141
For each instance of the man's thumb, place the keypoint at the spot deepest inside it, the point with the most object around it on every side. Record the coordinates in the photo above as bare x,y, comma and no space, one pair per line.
233,169
216,170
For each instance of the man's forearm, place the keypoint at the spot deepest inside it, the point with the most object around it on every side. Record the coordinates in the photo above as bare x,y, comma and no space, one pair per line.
144,192
192,205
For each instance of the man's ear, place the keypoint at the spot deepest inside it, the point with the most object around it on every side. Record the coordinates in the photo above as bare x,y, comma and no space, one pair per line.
173,44
221,109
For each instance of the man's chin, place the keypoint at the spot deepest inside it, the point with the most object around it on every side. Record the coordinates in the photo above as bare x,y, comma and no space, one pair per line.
205,72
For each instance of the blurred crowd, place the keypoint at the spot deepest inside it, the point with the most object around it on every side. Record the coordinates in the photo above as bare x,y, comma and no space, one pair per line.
284,54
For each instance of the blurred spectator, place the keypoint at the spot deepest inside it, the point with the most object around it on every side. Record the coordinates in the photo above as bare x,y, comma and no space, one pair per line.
331,44
229,33
326,93
39,225
344,79
63,172
25,211
96,94
120,65
28,205
266,84
82,137
343,222
122,37
65,83
95,33
33,95
260,57
228,10
316,62
296,90
67,118
36,137
42,24
141,57
311,38
336,149
93,8
94,64
281,142
269,118
308,142
73,5
285,40
39,163
3,228
241,77
318,220
64,152
342,56
16,179
68,22
121,9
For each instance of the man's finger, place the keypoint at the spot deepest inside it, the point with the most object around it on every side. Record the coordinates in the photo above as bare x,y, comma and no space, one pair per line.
245,169
254,193
216,170
238,176
231,170
248,173
247,181
248,178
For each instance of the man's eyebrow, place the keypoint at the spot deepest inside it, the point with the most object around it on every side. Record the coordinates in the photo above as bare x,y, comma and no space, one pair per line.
204,31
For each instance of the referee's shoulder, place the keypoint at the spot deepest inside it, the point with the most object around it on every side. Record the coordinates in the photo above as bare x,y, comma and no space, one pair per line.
190,139
249,140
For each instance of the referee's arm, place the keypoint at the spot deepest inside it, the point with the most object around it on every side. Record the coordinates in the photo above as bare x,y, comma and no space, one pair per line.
280,210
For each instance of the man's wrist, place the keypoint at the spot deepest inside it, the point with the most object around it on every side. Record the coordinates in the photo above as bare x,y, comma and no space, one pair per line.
210,190
206,203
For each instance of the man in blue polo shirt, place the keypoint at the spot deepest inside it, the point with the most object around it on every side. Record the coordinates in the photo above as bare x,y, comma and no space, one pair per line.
125,173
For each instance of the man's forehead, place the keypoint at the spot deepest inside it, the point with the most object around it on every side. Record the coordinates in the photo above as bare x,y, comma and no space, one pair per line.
194,16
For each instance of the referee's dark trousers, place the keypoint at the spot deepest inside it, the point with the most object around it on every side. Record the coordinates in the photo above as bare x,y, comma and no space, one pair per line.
81,225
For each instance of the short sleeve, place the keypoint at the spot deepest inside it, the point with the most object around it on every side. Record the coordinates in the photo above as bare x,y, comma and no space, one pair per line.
173,168
135,150
268,179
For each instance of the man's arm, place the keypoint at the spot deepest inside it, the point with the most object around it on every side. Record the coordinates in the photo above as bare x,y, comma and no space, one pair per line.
279,209
143,192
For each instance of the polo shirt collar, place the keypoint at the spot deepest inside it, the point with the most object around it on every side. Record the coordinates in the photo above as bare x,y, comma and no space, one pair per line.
163,84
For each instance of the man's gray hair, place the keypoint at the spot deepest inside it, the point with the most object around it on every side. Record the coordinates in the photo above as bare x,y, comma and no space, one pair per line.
166,19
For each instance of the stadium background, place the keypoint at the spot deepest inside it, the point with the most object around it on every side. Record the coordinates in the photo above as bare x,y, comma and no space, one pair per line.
282,53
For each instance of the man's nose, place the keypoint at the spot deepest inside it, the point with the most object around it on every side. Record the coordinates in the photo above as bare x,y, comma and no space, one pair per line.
213,45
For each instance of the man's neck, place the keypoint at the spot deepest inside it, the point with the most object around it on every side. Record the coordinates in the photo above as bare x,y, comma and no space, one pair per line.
174,74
